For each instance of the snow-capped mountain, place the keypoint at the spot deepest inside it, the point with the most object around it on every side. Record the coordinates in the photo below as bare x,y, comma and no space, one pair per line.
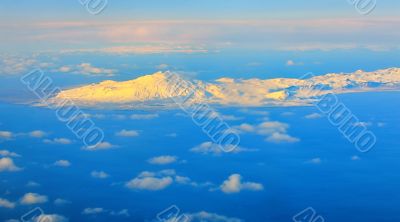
158,89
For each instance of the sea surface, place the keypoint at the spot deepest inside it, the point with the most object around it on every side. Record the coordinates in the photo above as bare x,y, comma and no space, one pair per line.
323,170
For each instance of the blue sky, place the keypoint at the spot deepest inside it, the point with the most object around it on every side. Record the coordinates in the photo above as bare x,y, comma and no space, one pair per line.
190,9
283,25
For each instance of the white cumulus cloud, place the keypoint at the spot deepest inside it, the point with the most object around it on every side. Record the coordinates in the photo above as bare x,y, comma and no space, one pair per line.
7,164
234,184
33,198
274,131
150,183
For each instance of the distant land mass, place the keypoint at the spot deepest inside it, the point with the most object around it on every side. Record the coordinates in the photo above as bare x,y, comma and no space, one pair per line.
155,90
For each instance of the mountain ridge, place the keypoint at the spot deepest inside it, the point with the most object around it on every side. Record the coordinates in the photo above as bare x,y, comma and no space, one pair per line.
156,88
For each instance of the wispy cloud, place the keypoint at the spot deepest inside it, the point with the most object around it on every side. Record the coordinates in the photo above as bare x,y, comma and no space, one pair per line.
210,217
313,116
188,36
99,174
144,116
6,135
215,149
86,69
6,153
100,146
127,133
63,141
6,203
163,160
62,163
37,134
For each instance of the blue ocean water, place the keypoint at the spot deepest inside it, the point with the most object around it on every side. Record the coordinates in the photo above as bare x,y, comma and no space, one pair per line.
338,187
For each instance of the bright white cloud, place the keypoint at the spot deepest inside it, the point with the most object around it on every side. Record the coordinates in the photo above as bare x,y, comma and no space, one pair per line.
6,203
33,198
234,184
127,133
160,180
6,153
7,164
62,163
99,174
163,160
274,131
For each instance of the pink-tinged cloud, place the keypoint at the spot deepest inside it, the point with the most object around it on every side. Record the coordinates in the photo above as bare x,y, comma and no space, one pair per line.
186,36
